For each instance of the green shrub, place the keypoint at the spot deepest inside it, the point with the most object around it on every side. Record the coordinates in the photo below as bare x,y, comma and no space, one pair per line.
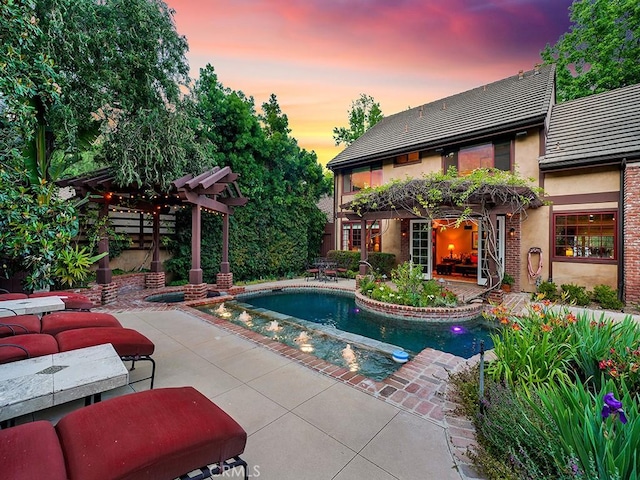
548,290
345,259
607,297
576,294
382,263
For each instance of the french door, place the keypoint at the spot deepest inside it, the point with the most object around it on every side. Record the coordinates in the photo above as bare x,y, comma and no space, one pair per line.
421,244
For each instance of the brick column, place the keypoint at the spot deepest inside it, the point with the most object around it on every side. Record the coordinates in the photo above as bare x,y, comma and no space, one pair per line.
109,293
631,237
224,281
512,250
195,291
154,280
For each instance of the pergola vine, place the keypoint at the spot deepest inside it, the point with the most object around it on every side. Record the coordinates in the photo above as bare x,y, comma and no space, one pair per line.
477,197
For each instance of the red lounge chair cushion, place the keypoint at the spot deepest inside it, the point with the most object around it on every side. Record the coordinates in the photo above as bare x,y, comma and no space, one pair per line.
31,451
125,341
72,301
160,433
12,296
36,344
57,322
19,325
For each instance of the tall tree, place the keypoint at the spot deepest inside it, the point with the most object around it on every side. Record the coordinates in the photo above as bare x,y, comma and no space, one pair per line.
84,65
601,51
281,227
365,112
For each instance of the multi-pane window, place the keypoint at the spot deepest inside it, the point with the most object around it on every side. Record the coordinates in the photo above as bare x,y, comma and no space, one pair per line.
585,235
487,155
352,236
358,178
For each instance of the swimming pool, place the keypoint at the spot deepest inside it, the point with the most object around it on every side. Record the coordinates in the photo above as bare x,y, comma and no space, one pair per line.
338,310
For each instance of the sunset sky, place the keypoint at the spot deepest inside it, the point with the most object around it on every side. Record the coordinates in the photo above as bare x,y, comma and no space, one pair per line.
317,56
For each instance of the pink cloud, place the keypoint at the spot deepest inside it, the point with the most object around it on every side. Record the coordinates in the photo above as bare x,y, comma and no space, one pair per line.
318,55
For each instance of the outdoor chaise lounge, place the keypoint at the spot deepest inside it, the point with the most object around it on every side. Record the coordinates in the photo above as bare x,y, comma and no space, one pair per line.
156,434
26,336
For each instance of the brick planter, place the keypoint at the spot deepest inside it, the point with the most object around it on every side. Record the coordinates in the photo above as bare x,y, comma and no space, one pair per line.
421,314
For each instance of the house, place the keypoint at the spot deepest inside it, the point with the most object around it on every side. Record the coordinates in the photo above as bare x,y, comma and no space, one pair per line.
585,154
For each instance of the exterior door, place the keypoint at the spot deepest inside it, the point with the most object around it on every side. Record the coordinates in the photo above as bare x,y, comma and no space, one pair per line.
483,263
421,246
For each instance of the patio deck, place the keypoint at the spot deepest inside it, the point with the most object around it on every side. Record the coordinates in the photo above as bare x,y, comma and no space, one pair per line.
306,418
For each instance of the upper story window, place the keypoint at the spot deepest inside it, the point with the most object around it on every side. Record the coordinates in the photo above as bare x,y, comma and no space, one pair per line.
581,236
487,155
413,157
358,178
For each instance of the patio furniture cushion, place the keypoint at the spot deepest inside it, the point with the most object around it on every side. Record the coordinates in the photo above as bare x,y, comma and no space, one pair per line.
126,341
19,325
12,296
56,322
31,451
162,433
31,345
72,301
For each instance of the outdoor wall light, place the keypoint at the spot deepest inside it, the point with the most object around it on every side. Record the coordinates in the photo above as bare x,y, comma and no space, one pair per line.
512,232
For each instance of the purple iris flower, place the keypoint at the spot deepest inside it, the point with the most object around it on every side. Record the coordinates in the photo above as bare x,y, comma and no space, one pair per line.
612,406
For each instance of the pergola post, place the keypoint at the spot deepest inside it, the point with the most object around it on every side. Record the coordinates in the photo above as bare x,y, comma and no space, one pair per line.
195,274
156,266
224,265
224,280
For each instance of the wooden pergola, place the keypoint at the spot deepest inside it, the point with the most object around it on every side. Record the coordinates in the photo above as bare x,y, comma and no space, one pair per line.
215,190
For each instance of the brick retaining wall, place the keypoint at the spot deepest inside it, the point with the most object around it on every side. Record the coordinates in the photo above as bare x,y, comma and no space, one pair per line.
426,314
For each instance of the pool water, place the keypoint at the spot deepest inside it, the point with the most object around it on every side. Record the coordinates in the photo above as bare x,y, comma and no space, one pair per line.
370,363
339,310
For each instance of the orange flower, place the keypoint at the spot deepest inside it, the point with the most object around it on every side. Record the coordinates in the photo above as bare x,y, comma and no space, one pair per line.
515,326
571,318
546,327
504,320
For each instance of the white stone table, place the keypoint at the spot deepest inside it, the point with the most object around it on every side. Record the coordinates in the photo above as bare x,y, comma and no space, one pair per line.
30,306
42,382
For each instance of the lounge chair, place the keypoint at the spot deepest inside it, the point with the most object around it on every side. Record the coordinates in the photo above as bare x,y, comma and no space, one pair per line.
155,434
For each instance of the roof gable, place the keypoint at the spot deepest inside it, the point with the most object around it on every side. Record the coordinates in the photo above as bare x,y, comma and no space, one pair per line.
513,101
594,129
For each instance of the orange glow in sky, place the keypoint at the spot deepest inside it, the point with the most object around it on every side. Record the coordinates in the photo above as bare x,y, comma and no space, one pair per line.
317,56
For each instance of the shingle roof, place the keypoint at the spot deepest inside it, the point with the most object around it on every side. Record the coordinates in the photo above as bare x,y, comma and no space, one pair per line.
590,130
511,102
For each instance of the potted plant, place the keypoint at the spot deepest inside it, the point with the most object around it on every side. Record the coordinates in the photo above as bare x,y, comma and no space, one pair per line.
507,281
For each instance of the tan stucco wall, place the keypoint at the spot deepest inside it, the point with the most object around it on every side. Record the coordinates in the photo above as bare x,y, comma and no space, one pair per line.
432,163
585,274
577,182
534,233
527,151
391,237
